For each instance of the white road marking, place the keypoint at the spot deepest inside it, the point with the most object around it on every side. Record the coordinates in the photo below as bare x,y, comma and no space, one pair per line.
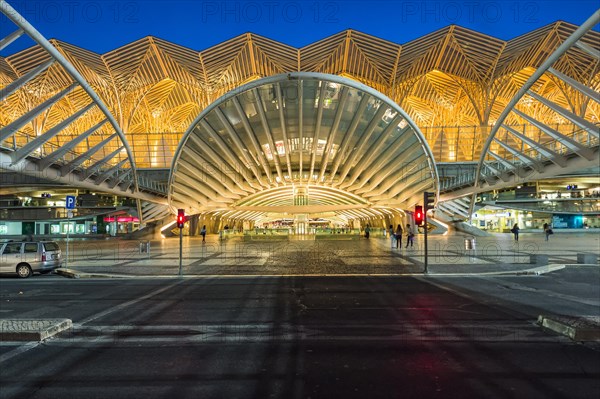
26,347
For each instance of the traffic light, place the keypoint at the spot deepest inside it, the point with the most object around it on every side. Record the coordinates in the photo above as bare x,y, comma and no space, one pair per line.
418,215
428,200
180,218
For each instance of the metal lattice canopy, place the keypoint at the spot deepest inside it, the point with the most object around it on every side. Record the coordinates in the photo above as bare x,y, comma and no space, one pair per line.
449,78
302,143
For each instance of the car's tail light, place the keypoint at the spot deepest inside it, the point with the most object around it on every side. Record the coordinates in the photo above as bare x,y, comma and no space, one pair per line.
43,256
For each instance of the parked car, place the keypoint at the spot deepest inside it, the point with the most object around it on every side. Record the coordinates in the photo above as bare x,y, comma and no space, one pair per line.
28,257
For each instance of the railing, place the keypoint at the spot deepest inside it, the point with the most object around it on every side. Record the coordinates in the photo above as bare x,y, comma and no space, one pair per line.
464,179
21,139
572,131
448,144
147,184
556,205
32,213
494,167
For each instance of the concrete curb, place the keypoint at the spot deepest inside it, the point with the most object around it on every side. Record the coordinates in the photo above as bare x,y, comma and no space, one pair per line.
544,269
70,273
582,328
536,271
32,329
66,273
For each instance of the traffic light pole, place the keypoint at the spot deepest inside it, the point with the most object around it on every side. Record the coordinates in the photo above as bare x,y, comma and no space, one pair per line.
426,271
180,248
180,224
428,199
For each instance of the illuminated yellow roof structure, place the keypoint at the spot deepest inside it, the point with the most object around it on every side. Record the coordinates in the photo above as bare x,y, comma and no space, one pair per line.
109,115
451,78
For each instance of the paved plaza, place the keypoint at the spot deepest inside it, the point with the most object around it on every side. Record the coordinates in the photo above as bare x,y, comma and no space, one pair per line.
261,255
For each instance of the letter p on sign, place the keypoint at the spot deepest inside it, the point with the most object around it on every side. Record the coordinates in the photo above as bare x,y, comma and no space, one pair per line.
70,202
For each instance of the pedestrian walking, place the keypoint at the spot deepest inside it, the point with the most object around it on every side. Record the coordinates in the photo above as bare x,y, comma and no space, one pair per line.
398,234
410,235
515,231
203,233
367,231
392,236
547,230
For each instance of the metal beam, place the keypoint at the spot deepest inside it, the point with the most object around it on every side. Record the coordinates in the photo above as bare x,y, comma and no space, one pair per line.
528,160
363,141
13,127
588,49
252,135
347,137
120,179
568,142
317,130
98,165
365,163
551,155
576,119
109,172
240,147
20,81
6,41
71,166
63,149
583,89
286,144
333,131
28,148
268,134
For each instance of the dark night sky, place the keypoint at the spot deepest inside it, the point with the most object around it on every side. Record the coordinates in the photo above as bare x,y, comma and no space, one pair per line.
103,25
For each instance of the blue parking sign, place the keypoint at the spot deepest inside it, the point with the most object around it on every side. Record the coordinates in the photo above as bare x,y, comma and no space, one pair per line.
70,203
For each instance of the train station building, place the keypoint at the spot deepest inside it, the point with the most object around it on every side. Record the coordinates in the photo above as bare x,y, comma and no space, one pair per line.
255,135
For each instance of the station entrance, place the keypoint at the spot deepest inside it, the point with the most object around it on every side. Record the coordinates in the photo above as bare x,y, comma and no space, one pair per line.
302,154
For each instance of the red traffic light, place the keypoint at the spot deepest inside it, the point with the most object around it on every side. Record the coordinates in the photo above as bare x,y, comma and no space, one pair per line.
180,218
418,215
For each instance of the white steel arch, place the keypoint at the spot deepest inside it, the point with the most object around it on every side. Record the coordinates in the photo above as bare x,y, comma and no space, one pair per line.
511,156
302,143
114,173
93,152
582,142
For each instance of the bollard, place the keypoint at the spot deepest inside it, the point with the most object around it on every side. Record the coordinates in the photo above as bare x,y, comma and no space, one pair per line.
470,243
470,246
590,259
145,247
540,260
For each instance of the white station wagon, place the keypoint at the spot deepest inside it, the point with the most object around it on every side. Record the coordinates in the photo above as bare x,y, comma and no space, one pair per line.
27,257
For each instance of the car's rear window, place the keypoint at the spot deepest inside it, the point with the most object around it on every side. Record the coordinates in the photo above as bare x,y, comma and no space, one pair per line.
51,246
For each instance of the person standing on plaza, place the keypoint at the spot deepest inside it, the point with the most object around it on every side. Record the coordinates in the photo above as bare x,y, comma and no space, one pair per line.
398,235
515,231
410,235
547,230
203,233
392,237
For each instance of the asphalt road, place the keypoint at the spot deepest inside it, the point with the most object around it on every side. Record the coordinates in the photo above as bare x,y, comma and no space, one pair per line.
293,337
